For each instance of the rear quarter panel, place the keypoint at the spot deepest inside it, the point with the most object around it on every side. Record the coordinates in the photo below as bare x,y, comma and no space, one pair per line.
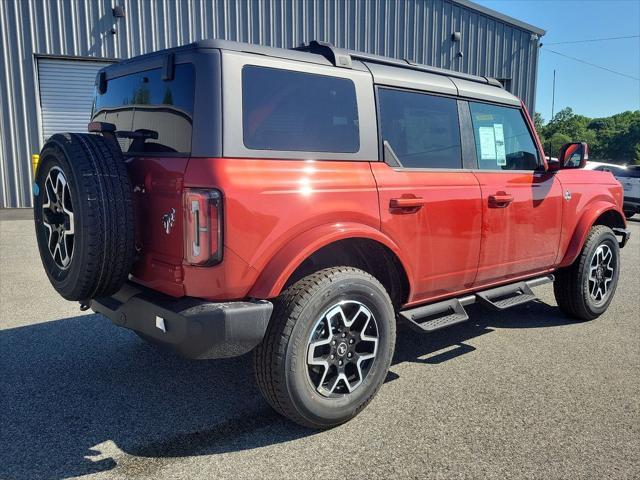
268,204
592,194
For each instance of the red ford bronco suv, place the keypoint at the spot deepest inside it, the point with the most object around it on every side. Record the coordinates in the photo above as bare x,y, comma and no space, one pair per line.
230,197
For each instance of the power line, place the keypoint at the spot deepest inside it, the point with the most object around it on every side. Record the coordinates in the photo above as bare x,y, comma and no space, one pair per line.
592,64
593,40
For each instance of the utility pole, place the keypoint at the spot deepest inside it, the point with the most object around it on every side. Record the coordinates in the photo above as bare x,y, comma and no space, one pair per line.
553,94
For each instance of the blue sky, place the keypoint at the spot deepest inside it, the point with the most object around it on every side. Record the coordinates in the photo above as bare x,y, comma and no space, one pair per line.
586,89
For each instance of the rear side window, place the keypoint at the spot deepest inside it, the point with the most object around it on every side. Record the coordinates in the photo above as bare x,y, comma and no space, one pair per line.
422,130
296,111
158,112
628,172
503,141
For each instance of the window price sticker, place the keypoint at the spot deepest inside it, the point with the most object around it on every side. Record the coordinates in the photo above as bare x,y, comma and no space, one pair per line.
487,143
501,156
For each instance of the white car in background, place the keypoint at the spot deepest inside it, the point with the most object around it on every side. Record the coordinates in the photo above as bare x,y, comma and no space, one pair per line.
629,178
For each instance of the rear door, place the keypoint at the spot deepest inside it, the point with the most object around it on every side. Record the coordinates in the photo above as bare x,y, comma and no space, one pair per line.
521,204
429,205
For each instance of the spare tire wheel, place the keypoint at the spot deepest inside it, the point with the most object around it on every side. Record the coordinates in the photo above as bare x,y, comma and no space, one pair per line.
84,218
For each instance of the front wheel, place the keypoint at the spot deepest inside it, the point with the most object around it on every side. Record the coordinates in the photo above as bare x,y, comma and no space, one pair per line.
585,289
328,347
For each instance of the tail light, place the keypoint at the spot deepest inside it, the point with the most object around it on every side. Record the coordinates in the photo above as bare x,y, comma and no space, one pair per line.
202,226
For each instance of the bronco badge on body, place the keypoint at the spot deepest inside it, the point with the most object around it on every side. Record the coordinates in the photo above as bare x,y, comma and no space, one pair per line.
168,219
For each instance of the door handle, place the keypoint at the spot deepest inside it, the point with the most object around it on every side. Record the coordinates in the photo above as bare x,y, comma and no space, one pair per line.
406,204
500,200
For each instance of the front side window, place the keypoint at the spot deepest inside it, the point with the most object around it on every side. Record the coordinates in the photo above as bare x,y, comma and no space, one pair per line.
157,113
295,111
503,141
422,130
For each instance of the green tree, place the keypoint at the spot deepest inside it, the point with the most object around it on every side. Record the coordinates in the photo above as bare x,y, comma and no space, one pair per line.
538,123
614,139
554,143
570,124
617,137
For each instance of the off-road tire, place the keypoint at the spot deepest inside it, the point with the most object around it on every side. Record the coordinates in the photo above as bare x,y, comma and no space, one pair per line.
103,215
280,361
571,286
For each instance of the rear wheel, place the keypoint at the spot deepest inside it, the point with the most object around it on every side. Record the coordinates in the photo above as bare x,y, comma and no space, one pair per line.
328,347
585,289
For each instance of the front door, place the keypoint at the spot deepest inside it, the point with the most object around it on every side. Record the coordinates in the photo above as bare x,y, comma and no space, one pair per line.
429,205
521,204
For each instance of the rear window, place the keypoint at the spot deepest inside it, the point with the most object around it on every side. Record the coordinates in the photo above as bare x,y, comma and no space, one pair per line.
622,172
628,172
160,111
295,111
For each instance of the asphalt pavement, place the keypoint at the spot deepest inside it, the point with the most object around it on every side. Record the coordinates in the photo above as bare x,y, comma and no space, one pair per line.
522,394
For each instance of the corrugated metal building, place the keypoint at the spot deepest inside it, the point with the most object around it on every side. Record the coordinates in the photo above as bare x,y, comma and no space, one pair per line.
52,49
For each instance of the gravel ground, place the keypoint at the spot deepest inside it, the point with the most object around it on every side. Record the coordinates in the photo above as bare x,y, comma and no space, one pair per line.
521,394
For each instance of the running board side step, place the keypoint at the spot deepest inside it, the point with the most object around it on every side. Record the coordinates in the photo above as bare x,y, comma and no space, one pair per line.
435,316
432,317
505,297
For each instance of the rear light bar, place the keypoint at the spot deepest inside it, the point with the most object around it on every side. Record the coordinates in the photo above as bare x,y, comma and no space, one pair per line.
202,226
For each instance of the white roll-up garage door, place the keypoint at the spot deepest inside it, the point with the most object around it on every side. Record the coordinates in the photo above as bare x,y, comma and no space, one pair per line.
66,94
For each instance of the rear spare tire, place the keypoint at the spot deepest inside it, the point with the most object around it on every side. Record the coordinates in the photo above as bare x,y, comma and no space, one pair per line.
83,212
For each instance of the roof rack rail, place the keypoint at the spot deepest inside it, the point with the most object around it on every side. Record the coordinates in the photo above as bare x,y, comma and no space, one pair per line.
367,57
343,58
337,56
453,73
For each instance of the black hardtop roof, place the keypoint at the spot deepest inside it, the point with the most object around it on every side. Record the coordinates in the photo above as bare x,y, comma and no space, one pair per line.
314,52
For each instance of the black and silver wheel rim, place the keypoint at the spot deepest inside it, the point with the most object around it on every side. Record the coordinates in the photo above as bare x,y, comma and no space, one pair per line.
601,274
57,218
342,348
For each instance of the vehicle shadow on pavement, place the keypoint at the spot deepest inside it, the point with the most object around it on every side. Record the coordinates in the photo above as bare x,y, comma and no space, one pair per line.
73,384
75,391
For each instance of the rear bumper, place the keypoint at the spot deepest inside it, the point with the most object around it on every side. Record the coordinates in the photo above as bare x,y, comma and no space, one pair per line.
193,327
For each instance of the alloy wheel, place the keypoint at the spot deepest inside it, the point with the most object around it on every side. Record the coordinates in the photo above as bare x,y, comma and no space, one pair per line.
57,218
601,273
342,348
